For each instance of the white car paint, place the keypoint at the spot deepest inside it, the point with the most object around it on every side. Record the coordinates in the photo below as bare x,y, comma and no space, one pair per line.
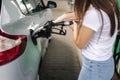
26,66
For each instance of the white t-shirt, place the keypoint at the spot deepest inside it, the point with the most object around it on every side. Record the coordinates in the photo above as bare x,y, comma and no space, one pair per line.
99,47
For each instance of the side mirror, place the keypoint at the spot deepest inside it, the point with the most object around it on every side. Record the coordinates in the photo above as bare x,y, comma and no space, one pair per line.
51,4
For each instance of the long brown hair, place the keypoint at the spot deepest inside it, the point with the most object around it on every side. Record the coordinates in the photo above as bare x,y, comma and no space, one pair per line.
108,6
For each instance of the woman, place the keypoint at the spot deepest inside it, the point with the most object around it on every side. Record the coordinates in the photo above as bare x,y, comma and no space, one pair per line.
95,33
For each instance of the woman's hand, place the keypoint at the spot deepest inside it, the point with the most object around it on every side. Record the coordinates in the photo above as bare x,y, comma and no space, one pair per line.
61,18
73,26
66,17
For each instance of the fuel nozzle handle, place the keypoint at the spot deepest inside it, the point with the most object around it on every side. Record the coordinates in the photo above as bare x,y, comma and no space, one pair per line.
63,23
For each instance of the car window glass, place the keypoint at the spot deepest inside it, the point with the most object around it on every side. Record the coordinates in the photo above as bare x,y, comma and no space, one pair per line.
27,6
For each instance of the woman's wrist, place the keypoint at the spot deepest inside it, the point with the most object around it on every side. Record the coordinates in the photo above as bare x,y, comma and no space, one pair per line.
61,18
70,16
65,17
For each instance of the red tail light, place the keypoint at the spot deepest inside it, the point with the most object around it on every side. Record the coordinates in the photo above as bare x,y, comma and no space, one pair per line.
10,54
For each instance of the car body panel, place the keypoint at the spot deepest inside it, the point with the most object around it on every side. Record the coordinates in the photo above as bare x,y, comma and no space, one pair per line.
21,26
26,66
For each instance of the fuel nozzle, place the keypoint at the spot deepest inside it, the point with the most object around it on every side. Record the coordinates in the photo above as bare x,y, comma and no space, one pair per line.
63,23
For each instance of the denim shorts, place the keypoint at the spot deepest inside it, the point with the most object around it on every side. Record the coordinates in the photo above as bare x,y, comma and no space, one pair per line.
96,70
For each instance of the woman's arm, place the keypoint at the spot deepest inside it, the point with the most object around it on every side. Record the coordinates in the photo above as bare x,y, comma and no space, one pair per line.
66,17
82,36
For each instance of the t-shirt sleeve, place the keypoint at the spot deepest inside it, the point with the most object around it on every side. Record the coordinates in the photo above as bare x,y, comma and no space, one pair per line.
92,20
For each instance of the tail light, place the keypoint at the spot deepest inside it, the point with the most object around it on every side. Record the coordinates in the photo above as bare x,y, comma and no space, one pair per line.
11,47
